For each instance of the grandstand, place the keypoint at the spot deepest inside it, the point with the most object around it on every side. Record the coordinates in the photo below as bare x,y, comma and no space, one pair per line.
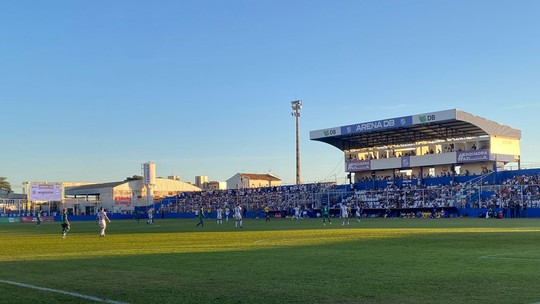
449,143
449,159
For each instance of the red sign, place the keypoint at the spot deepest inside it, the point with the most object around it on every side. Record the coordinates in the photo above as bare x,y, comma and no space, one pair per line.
122,200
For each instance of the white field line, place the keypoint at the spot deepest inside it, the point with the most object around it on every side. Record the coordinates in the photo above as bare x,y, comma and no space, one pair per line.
505,256
73,294
502,257
509,259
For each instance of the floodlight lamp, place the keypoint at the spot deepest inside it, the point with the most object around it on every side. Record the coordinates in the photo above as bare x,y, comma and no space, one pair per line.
296,104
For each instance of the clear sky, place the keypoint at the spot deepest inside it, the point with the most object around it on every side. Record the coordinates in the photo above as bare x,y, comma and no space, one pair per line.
90,90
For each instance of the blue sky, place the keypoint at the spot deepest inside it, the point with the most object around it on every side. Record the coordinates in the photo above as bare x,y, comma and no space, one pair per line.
90,90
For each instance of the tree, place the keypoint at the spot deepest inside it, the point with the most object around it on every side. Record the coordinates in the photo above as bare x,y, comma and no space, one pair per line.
4,184
134,177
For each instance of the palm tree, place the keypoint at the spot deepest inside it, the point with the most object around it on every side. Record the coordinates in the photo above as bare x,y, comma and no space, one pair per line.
4,184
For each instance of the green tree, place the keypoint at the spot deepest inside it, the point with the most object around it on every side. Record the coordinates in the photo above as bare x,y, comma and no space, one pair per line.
134,177
4,184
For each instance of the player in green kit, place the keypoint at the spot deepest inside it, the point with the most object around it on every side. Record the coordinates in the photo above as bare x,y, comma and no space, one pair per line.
326,214
267,213
38,217
65,223
200,215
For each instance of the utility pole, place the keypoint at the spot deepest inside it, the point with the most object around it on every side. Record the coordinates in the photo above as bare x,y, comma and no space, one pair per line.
297,106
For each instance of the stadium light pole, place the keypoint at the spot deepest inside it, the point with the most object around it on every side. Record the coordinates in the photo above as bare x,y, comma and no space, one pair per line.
296,105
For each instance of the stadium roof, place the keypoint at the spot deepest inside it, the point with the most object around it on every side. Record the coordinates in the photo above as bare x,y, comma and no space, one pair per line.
442,125
91,189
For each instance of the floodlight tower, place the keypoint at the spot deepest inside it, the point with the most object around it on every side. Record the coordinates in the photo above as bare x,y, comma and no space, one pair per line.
296,105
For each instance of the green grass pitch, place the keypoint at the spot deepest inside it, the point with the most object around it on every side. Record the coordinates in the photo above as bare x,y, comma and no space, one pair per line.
462,260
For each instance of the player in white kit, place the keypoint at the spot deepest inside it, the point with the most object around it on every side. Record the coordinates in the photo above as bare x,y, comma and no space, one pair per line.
344,214
358,213
150,216
238,215
296,213
227,212
219,212
101,220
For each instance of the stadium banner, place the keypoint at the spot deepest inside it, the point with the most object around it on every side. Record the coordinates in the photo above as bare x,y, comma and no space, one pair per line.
53,192
325,133
434,117
472,156
405,161
33,219
9,220
377,125
122,200
358,165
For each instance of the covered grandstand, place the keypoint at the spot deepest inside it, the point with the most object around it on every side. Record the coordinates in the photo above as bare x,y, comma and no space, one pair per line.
448,143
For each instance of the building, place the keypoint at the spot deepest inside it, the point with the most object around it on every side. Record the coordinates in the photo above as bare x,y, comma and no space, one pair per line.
201,181
249,180
215,185
444,143
121,196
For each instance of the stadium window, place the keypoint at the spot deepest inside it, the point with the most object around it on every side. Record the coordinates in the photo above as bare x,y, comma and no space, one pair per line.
407,173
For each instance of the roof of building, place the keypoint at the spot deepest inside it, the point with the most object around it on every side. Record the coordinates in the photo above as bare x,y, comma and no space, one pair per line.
442,125
5,194
91,189
266,177
161,185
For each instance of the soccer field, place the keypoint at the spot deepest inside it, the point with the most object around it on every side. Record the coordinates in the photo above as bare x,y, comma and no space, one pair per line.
463,260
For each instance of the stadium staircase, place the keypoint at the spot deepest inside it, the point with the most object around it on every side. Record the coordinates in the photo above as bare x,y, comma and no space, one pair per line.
476,190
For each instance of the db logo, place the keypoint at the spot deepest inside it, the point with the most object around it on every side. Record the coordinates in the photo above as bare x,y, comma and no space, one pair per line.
330,132
427,118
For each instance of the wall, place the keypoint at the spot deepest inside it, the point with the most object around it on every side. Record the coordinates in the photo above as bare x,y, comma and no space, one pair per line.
505,145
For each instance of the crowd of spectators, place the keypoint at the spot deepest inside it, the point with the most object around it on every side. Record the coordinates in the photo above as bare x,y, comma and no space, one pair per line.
513,195
277,198
519,193
413,176
382,154
407,196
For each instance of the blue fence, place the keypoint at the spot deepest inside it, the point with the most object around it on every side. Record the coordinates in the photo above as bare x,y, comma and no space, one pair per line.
465,212
481,212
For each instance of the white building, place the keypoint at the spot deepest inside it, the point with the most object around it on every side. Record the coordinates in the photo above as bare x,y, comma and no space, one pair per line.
250,180
215,185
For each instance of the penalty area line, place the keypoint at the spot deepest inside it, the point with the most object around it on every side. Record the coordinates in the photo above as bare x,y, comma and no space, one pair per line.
68,293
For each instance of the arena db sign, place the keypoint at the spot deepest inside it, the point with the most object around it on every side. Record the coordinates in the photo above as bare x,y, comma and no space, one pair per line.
377,125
